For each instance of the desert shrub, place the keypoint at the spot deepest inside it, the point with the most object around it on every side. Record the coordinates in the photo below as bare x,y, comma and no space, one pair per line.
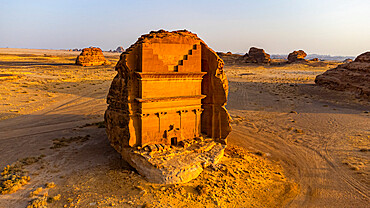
63,142
54,198
36,192
12,178
29,160
100,124
50,185
38,202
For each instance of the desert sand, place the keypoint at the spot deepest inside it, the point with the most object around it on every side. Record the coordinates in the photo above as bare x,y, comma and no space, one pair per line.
293,143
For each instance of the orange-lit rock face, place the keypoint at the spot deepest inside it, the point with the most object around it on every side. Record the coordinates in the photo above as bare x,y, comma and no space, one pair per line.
297,56
353,76
170,87
91,57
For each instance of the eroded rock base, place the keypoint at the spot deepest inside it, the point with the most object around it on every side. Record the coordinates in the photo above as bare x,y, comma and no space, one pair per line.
166,164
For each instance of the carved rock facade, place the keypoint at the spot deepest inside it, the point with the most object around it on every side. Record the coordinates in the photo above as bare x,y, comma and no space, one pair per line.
170,87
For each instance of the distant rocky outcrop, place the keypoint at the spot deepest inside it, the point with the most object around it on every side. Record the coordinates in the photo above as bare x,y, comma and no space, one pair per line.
91,57
297,56
314,59
352,77
257,55
230,58
347,60
75,49
119,49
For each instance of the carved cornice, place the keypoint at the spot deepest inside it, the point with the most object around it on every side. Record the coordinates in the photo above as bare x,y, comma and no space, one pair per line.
169,75
159,99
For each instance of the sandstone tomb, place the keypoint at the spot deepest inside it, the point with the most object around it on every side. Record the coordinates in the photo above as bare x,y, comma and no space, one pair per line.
166,113
91,57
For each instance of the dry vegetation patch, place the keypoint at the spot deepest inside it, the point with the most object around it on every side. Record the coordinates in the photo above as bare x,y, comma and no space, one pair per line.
64,142
14,176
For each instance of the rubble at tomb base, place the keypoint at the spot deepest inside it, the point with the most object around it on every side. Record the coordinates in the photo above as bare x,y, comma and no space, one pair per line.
91,57
170,87
352,77
167,164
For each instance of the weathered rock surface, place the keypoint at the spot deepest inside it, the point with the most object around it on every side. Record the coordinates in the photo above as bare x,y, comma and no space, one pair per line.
170,87
230,58
257,55
91,57
174,165
353,77
297,56
120,49
347,60
314,59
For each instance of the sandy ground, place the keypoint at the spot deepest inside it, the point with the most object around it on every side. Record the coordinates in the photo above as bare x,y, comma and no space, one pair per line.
293,144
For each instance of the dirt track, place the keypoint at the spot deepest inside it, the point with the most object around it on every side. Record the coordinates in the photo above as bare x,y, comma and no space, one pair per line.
311,131
320,137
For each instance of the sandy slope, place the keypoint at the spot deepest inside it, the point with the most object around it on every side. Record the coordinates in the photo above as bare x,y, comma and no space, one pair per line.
320,137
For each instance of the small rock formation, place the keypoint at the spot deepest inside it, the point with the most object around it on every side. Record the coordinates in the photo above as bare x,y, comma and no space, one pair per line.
314,59
230,58
120,49
91,57
347,60
352,77
297,56
166,113
257,55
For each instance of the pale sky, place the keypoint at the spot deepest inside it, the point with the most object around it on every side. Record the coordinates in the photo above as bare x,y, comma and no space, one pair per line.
335,27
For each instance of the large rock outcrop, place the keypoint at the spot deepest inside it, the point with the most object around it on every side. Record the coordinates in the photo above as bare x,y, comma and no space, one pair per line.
91,57
257,55
170,88
297,56
353,77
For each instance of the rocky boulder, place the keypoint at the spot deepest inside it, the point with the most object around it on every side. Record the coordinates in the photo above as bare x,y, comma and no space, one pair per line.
230,58
91,57
314,59
352,77
347,60
120,49
297,56
257,55
365,57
